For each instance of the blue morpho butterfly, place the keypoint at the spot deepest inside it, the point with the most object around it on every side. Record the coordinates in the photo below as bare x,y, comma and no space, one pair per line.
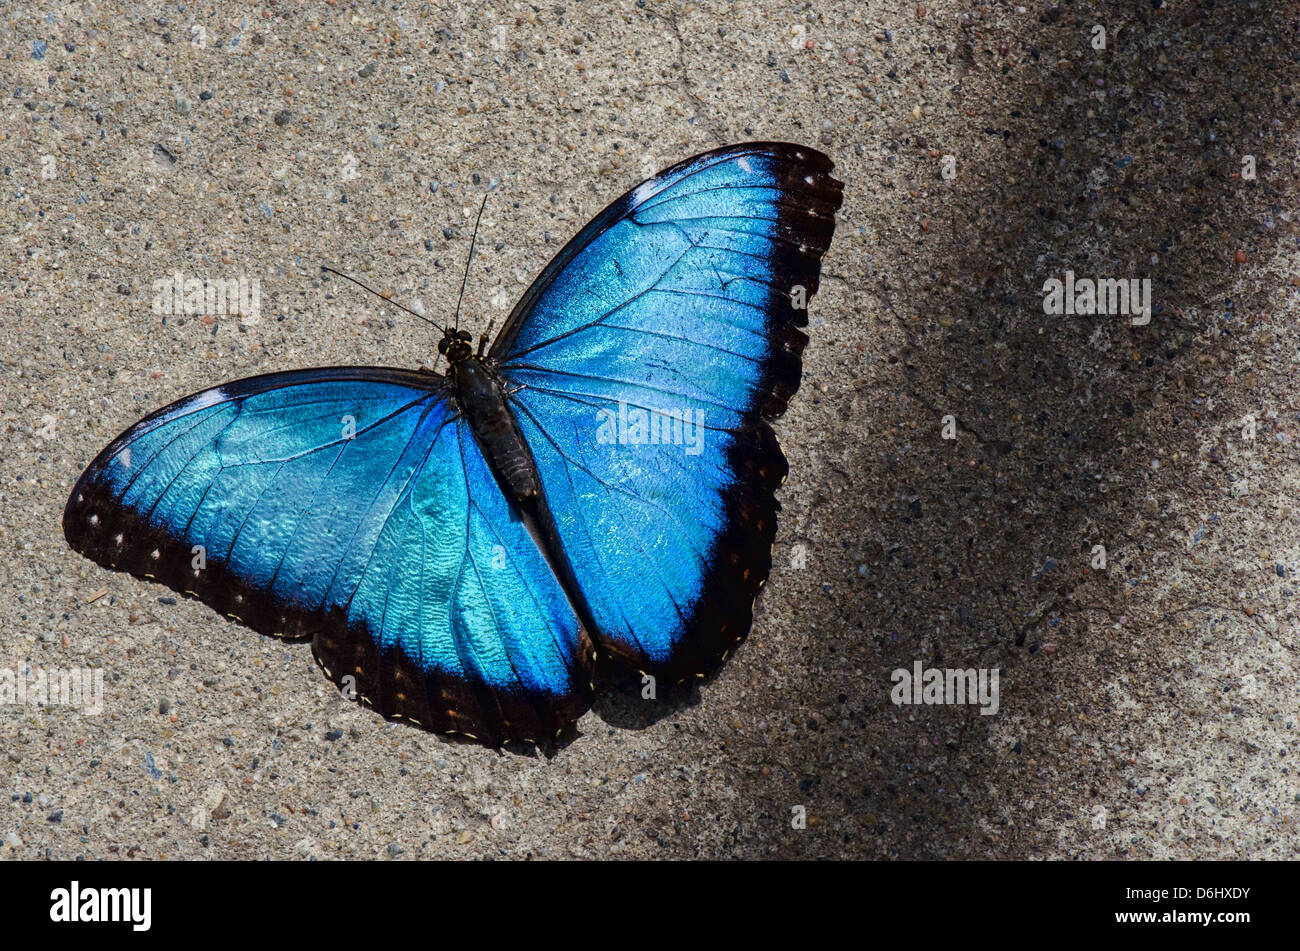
459,548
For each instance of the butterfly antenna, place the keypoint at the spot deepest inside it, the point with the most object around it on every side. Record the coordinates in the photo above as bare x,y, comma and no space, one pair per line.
470,258
326,267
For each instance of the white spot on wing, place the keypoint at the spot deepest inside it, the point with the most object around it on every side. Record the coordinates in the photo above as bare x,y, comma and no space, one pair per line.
644,192
744,165
208,398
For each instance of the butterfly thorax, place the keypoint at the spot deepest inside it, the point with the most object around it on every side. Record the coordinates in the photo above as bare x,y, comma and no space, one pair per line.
482,401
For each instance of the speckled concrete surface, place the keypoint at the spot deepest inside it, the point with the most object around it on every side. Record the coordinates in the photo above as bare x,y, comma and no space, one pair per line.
1147,710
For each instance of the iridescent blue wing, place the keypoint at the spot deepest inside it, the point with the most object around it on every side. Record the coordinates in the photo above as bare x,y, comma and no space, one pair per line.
350,505
678,306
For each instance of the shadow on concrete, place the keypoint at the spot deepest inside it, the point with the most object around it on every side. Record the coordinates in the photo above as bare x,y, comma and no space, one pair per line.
1072,430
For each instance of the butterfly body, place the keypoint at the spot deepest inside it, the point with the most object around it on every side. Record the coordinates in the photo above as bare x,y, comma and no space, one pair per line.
480,396
459,548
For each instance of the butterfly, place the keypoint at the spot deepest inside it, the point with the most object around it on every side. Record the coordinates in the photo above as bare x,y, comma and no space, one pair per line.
459,548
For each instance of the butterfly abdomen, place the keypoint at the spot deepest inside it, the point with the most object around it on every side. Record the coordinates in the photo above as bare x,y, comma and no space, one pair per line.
483,403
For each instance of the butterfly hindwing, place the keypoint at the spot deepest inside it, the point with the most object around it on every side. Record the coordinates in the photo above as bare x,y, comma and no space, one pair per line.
677,312
353,506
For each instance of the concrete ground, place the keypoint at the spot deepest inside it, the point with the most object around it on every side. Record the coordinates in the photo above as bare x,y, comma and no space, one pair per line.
1147,709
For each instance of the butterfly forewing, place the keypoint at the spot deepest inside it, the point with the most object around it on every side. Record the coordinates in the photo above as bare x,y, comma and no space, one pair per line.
644,365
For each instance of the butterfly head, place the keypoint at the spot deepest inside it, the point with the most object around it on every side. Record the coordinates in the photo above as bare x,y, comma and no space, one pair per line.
455,345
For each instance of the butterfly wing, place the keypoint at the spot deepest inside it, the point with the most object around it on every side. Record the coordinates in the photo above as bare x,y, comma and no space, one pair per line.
351,505
679,305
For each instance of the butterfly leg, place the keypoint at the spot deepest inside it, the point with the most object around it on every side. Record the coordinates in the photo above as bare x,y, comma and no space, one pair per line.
483,338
